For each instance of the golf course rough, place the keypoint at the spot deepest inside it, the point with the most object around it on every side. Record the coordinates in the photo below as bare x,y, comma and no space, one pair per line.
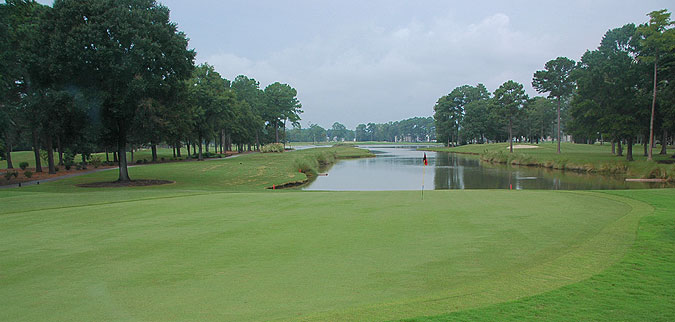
185,254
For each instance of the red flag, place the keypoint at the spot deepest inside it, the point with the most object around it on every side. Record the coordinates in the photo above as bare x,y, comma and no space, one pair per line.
425,159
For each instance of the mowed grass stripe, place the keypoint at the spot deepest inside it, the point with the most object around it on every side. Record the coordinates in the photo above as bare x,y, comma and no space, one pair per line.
253,256
639,287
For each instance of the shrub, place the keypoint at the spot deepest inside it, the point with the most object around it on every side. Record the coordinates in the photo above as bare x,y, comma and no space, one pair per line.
657,173
28,174
23,165
162,159
272,148
8,175
78,167
67,166
56,169
96,161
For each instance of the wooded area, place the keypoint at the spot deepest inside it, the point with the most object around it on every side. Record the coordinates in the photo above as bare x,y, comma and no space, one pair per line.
622,92
101,75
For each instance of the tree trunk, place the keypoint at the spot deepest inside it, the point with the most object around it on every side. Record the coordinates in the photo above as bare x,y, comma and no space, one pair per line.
153,147
651,121
629,149
644,144
187,146
613,146
207,143
122,156
9,155
58,146
50,155
115,158
200,158
107,158
84,161
558,124
619,150
257,141
36,151
664,142
132,154
178,147
276,131
511,136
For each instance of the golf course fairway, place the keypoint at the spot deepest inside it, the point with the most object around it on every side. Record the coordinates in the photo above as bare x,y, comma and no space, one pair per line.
162,254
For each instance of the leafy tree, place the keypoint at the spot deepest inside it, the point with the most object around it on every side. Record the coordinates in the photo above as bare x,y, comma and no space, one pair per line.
338,131
449,110
360,133
657,39
127,49
248,90
282,105
509,100
555,79
209,100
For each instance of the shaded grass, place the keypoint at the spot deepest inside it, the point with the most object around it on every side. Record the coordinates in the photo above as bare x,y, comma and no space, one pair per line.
575,157
261,256
638,288
250,172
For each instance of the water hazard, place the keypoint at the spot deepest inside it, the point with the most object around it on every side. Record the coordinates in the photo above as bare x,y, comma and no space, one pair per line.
401,168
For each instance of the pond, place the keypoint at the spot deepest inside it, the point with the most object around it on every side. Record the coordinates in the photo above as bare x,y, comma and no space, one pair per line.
401,168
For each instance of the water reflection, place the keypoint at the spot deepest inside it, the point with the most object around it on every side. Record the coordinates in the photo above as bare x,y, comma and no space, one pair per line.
401,168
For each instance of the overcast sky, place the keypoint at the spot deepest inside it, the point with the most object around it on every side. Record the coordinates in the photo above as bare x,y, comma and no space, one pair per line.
378,61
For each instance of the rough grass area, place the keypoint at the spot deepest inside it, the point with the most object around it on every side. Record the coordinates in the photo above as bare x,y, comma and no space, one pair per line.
575,157
263,256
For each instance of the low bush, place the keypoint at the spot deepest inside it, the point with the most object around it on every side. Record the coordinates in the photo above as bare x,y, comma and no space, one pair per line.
23,165
8,175
28,174
96,161
272,148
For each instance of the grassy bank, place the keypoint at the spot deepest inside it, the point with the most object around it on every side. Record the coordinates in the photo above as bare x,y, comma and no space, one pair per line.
574,157
250,172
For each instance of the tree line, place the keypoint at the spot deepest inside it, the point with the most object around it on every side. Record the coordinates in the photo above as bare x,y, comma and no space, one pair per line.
621,92
416,129
113,75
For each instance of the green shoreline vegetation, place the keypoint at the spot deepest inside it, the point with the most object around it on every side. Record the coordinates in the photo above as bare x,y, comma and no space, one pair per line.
593,158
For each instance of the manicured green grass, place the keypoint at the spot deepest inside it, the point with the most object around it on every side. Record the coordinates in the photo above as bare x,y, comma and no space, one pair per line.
217,245
292,255
639,288
584,157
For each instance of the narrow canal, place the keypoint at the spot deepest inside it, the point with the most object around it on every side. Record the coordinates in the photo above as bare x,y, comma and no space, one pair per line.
401,168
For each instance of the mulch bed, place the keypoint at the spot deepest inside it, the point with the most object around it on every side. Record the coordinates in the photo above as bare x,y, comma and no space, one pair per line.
132,183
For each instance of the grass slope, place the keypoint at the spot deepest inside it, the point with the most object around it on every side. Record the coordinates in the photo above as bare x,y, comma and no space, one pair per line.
253,256
584,157
638,288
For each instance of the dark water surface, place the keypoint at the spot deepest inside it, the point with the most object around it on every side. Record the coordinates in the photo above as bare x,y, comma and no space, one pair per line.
401,168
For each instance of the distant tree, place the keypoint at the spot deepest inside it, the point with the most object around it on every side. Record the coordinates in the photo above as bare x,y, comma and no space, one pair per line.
282,106
210,101
449,110
338,131
317,133
360,133
509,100
555,79
657,39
